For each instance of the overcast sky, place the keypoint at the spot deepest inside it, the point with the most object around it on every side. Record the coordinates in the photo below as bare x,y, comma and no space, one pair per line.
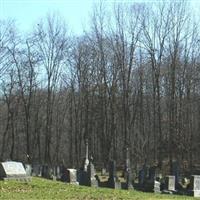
76,12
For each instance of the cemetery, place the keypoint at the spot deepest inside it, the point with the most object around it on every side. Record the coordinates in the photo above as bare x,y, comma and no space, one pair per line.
147,181
100,99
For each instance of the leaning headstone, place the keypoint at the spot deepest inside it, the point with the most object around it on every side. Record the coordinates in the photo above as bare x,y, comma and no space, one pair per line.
195,186
72,176
13,170
113,181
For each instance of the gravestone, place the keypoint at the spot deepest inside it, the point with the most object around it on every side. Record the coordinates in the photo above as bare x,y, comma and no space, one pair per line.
152,184
152,173
64,175
127,172
72,176
86,162
36,170
170,183
45,171
141,178
89,177
143,173
10,170
195,186
156,188
57,172
113,181
28,169
92,176
176,172
103,171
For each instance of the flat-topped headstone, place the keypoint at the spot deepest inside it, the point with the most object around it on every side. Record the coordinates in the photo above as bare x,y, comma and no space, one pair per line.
72,176
170,183
195,185
13,170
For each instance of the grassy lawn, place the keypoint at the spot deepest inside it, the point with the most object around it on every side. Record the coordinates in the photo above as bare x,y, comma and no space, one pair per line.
40,188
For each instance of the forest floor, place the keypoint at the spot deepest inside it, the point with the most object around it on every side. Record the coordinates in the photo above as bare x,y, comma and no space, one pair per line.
40,188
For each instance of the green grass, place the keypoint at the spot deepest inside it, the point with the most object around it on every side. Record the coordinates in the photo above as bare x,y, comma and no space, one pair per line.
40,188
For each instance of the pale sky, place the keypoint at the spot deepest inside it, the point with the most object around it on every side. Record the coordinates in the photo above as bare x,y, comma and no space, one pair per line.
75,12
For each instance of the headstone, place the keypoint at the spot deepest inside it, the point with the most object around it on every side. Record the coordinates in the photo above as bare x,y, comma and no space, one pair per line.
141,178
36,170
127,172
13,170
156,187
113,181
103,171
46,171
92,175
72,176
64,175
89,177
86,163
28,169
152,173
170,183
176,172
143,174
57,172
195,185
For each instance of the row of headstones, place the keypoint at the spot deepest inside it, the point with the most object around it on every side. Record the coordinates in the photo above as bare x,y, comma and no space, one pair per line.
149,180
87,176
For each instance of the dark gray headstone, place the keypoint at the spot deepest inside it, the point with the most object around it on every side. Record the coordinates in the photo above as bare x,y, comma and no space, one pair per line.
13,170
88,178
113,181
143,175
36,170
152,173
176,172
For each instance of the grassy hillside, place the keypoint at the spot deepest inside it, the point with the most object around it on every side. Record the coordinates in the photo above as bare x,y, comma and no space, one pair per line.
40,188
